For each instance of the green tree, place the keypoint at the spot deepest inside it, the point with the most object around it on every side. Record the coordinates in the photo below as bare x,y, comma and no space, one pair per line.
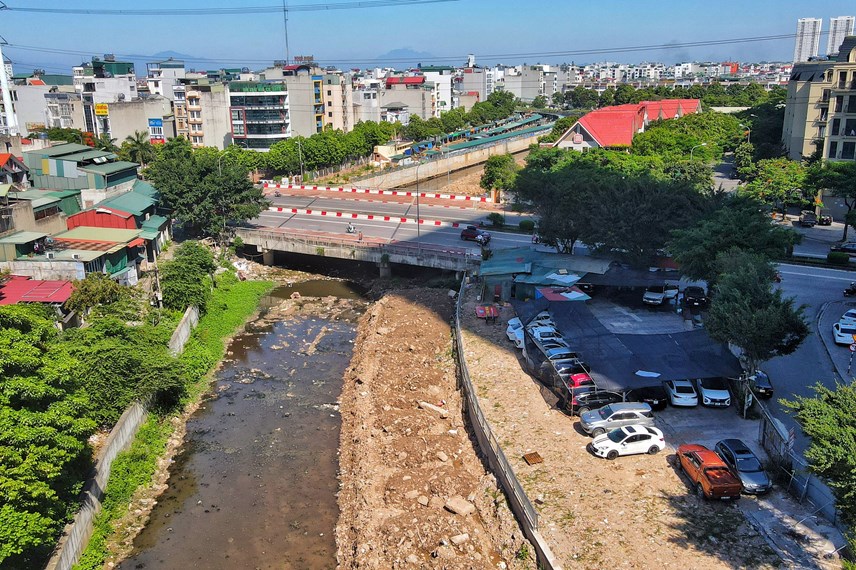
204,189
749,313
93,290
839,179
558,99
829,419
138,148
188,278
607,98
743,160
778,182
738,222
499,172
539,102
105,143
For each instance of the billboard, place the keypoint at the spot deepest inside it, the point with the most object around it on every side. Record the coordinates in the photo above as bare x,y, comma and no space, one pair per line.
101,109
156,123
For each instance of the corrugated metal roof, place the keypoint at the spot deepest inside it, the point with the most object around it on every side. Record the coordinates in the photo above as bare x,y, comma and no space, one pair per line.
59,149
132,202
155,222
109,168
143,187
149,233
87,155
22,237
25,290
107,235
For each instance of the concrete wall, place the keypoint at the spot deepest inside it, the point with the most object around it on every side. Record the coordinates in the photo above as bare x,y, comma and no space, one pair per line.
23,219
46,269
393,178
127,117
181,334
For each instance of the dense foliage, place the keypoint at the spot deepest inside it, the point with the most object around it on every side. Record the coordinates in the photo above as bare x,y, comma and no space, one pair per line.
500,171
778,182
714,95
499,105
204,188
839,178
704,135
188,277
58,134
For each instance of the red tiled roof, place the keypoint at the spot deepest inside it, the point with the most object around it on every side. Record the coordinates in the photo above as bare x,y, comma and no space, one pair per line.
414,80
613,126
670,108
20,289
4,158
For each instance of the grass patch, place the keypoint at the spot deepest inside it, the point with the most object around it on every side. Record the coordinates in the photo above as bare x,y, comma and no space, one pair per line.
231,303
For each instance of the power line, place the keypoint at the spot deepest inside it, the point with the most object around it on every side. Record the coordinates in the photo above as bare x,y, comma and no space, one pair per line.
229,11
564,53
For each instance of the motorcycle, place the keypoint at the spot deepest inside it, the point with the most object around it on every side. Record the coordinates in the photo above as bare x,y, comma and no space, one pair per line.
351,229
276,193
536,238
851,290
778,277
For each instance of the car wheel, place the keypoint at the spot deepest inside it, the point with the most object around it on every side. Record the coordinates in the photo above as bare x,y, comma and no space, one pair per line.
699,491
463,238
583,410
597,432
612,455
654,450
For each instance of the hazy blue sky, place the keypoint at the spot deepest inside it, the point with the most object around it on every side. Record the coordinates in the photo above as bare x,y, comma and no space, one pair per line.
494,30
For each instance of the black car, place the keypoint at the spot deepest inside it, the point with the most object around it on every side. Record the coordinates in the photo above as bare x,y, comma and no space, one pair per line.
472,233
761,385
586,399
846,247
654,396
695,296
823,220
745,466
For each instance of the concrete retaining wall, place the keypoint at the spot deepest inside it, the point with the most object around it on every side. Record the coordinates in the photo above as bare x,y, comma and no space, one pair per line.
182,331
403,175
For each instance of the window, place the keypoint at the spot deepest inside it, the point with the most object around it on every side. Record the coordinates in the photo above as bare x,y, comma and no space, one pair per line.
196,140
839,103
833,149
156,131
836,127
236,116
850,128
825,96
329,93
196,128
848,149
196,114
821,132
851,104
238,129
330,113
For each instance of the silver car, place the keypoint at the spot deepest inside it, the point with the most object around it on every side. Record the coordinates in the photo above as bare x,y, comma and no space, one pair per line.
598,422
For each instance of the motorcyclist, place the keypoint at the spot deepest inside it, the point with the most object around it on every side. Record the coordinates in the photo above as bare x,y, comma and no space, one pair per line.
351,228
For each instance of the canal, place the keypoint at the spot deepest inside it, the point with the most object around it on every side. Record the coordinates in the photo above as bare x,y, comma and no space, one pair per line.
255,484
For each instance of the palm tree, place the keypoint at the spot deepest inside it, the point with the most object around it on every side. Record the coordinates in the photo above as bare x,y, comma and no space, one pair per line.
139,149
105,143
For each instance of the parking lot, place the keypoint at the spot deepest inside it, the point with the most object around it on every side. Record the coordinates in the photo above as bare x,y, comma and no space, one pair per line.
788,527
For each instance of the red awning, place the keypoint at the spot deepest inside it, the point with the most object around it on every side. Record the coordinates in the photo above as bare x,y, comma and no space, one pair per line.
137,242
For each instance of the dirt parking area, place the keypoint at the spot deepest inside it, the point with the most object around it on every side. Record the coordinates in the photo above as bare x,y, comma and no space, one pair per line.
635,512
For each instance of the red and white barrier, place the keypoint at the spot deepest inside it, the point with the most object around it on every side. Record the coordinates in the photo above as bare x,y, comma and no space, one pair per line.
373,217
352,190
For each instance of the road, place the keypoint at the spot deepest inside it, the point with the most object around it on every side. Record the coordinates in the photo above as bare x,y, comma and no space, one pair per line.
340,210
818,359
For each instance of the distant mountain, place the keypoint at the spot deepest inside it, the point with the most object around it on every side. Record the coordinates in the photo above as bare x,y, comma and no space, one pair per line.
405,57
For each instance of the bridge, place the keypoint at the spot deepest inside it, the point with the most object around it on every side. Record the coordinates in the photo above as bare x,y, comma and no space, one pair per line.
352,247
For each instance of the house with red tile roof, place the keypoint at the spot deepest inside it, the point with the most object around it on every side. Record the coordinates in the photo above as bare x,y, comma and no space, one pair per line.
615,126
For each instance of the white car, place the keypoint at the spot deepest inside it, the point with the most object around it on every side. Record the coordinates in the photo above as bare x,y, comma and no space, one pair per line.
542,319
628,440
681,393
545,333
659,294
848,317
714,392
514,332
843,332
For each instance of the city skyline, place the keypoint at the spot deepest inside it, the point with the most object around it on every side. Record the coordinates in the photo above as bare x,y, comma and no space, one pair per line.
582,34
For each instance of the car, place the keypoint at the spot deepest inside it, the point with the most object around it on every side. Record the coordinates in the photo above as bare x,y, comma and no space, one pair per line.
824,220
848,317
843,333
695,296
808,219
628,440
744,465
472,233
846,247
654,396
709,476
569,365
598,422
561,354
581,401
552,343
514,331
544,333
761,385
681,393
544,318
714,392
659,294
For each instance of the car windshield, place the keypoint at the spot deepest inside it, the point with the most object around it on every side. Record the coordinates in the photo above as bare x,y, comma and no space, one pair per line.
684,389
605,412
748,464
848,330
656,289
616,435
694,291
714,384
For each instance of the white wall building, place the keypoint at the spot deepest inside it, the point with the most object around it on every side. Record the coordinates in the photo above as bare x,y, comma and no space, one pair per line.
839,28
808,39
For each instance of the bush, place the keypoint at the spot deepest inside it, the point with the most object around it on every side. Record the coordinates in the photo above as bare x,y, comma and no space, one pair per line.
837,258
496,219
527,226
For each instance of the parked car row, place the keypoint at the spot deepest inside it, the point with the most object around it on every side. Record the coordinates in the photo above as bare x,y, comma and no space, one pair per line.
712,392
656,295
844,331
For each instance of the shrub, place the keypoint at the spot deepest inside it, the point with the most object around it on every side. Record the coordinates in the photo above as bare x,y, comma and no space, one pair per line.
837,258
527,226
496,219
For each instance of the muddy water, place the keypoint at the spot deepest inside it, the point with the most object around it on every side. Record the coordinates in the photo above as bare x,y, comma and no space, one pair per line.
255,484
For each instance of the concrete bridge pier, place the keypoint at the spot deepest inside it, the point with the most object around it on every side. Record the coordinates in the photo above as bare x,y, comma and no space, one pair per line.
267,257
385,269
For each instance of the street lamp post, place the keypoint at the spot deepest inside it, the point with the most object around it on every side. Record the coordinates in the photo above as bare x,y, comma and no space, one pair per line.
748,132
418,164
695,147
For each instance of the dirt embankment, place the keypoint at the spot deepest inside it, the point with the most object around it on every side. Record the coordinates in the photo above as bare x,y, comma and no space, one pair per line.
406,461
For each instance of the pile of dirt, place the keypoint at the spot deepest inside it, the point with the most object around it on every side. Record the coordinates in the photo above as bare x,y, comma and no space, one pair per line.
413,491
635,512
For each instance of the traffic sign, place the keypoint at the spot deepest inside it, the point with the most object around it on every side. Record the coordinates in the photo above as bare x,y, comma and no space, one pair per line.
853,347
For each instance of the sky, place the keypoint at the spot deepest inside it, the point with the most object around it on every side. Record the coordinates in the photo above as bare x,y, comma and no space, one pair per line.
442,32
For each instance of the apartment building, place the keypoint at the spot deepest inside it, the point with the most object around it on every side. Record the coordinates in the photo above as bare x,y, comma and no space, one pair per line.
820,110
839,28
152,114
339,101
412,93
442,77
162,76
808,39
101,82
366,97
64,110
530,81
201,108
259,113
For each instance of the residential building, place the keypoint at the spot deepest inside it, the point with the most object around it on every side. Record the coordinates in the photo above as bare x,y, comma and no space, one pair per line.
20,289
820,110
306,99
808,39
259,113
126,117
472,80
839,28
39,210
411,92
64,110
339,101
615,126
162,76
13,171
441,77
201,109
102,82
366,99
530,81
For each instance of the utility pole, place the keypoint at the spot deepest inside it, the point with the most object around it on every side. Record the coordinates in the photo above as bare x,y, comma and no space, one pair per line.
285,26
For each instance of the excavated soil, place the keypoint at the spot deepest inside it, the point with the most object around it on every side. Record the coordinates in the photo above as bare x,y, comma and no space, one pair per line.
406,460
